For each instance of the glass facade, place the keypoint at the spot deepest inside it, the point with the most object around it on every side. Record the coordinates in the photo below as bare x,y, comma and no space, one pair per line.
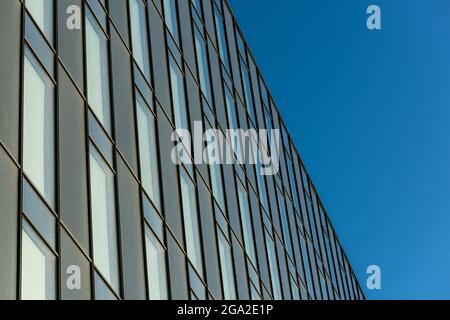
88,182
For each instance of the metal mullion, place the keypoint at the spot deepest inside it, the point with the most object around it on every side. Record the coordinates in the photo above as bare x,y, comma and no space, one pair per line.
57,149
20,173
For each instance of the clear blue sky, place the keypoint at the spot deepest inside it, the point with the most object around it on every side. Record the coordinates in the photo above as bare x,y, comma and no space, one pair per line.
370,114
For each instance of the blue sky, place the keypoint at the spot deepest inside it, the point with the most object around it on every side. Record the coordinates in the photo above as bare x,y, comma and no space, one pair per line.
370,114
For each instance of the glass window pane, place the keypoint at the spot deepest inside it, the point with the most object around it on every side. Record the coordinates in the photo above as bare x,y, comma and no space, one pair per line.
147,150
104,231
38,277
285,223
273,265
97,71
156,267
223,50
178,96
139,35
102,291
247,91
226,267
42,13
193,244
203,67
246,220
39,126
170,15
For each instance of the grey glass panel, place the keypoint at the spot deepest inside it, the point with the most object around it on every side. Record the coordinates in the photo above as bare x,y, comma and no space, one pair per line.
177,269
76,273
38,131
131,234
124,113
156,267
70,42
10,35
8,225
73,195
38,270
104,230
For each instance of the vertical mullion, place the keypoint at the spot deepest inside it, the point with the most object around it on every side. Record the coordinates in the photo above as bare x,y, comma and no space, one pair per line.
21,127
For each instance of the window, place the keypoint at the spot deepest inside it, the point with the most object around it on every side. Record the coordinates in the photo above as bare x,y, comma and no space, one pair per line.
42,13
217,184
97,71
191,226
170,14
273,265
246,221
39,127
226,267
178,95
38,276
139,35
247,91
147,150
223,49
156,267
203,67
285,223
292,182
104,231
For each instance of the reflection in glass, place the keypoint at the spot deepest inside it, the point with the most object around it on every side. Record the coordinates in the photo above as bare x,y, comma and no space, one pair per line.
223,51
246,221
97,71
156,267
178,95
39,126
226,267
191,227
38,272
104,231
273,265
139,35
170,15
42,13
203,66
147,150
